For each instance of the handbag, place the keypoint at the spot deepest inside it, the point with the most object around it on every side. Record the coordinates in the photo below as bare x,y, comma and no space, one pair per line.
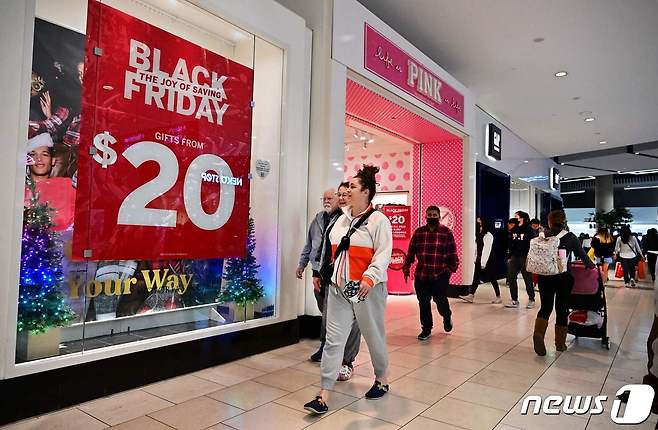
619,272
641,269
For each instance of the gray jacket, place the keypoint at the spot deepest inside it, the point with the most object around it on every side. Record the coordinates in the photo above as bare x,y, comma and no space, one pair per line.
314,241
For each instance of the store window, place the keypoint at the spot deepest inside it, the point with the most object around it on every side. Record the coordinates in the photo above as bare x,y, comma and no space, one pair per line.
152,176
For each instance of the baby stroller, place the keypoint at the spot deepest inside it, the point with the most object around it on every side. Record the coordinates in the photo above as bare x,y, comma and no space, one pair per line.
588,315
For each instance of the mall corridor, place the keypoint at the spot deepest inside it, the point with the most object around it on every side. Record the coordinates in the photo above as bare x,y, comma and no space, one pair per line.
473,378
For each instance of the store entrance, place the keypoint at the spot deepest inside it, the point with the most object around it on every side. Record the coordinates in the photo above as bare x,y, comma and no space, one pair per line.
420,165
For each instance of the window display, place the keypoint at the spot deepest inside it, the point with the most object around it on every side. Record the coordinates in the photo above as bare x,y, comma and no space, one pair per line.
142,217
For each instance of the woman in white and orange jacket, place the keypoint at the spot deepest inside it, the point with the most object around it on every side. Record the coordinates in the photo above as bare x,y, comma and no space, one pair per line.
364,264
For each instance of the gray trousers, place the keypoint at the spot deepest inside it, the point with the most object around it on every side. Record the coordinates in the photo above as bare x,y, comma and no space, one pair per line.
341,314
353,341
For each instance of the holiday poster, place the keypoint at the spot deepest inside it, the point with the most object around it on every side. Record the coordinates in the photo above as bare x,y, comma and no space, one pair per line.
117,285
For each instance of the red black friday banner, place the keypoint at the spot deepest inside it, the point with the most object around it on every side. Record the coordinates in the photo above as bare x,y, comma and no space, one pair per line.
165,145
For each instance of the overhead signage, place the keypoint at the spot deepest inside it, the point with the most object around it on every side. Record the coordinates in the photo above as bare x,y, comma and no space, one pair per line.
493,142
555,179
391,63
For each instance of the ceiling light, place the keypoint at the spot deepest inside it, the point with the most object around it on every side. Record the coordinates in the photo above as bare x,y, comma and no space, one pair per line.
335,164
561,74
561,164
362,138
573,192
525,161
603,142
619,171
371,140
589,119
641,187
575,98
585,178
637,153
642,172
538,39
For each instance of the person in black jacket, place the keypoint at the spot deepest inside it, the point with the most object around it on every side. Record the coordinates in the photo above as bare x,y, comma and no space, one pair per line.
557,288
518,247
650,249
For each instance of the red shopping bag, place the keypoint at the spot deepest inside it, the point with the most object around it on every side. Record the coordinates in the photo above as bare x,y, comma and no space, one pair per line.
641,270
619,272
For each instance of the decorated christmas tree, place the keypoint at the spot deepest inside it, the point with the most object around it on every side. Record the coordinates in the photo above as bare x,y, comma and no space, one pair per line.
40,303
243,286
206,281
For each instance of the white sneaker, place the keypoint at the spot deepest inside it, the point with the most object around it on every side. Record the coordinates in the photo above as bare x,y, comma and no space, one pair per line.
512,304
531,304
345,373
633,283
627,286
497,301
468,298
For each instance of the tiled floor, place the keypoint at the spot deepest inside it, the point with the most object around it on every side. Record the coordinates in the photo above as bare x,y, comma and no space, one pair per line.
473,378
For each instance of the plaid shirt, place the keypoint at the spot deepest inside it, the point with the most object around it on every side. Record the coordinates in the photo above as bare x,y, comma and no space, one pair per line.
435,251
56,122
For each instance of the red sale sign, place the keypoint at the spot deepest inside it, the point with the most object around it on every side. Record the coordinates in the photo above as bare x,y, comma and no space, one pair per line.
399,216
165,145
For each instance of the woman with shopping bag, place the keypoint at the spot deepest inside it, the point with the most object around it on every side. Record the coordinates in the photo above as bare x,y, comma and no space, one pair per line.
628,252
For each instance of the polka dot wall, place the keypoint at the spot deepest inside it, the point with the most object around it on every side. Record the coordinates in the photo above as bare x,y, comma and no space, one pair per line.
441,186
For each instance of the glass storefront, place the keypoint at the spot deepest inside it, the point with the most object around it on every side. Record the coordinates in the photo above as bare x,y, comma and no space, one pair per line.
152,176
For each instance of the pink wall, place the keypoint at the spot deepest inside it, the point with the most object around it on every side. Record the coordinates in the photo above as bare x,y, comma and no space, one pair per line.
394,168
440,178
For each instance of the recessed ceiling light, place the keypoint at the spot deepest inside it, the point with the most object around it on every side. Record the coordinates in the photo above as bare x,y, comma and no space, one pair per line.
589,119
561,74
561,164
603,142
371,140
364,138
637,153
525,161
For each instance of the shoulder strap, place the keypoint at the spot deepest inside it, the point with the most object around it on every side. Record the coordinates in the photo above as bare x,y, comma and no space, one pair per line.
344,244
561,234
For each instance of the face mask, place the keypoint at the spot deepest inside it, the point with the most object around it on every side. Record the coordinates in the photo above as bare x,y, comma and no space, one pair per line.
432,222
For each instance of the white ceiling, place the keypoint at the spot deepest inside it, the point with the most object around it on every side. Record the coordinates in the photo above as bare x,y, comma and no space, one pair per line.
609,48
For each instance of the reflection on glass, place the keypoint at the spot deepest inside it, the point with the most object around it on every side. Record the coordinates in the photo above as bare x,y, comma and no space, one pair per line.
70,300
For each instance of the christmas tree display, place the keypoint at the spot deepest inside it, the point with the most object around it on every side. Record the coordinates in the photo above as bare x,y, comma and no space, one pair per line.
242,285
40,303
206,281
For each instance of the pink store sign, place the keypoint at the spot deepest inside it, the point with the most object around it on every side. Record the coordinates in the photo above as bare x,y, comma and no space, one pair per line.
389,62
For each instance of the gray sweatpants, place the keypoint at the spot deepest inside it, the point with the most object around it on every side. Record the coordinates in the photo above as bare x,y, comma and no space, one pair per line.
353,341
341,314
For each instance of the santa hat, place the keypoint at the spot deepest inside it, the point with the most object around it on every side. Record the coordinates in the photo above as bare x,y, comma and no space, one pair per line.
40,140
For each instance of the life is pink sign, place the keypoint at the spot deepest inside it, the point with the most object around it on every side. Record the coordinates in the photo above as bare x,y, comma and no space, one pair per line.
389,62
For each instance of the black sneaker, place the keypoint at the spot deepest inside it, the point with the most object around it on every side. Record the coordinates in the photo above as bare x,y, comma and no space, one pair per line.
317,406
317,356
377,391
425,334
447,324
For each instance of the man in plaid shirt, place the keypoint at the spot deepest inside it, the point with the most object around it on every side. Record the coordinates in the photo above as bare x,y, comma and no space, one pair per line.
433,245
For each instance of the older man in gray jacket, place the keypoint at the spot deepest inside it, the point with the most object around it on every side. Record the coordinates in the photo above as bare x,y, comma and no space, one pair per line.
311,250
